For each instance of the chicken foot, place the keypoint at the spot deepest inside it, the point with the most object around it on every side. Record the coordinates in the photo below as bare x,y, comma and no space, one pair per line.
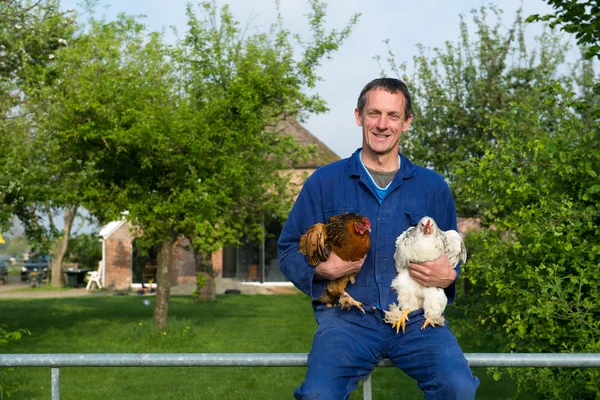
397,317
433,321
347,302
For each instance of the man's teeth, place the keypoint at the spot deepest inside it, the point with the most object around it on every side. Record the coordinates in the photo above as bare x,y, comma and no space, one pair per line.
381,136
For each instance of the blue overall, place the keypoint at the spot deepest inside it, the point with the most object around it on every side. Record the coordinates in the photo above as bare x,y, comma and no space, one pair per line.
348,344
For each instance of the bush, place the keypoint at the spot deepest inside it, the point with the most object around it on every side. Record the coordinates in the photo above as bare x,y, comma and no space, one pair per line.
538,275
7,385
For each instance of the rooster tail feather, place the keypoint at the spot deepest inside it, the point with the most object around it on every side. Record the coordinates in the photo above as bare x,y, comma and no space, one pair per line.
312,244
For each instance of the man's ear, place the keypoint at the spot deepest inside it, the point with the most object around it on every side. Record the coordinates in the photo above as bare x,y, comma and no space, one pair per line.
406,124
358,117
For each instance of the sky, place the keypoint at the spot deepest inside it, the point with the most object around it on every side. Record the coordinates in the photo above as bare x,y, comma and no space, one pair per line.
405,23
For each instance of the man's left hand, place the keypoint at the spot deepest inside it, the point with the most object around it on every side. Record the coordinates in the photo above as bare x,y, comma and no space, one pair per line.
436,273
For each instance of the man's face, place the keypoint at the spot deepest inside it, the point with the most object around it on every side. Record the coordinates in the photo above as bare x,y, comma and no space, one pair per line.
382,121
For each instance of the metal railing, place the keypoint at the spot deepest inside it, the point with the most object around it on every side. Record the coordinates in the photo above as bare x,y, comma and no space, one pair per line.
56,361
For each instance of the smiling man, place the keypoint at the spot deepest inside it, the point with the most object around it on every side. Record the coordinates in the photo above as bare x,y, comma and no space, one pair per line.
380,183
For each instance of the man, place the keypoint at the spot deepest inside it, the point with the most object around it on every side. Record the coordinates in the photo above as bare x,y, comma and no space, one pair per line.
383,185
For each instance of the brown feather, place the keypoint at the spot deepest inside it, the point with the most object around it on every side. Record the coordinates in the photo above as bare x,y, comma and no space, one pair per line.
312,244
347,235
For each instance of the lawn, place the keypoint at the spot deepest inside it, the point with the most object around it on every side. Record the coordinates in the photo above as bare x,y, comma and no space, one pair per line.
235,323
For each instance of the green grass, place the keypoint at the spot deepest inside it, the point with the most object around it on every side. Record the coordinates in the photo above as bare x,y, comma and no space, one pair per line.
236,323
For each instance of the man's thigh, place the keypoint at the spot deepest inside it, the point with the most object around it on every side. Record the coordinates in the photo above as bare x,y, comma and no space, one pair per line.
433,357
342,353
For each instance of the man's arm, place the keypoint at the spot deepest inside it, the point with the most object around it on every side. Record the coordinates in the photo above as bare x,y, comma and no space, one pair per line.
307,211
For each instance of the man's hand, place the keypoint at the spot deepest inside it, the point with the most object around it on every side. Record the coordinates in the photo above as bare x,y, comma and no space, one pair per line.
436,273
335,267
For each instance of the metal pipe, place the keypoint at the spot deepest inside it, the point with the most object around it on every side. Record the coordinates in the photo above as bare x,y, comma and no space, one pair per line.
155,360
55,361
55,372
520,360
367,388
584,360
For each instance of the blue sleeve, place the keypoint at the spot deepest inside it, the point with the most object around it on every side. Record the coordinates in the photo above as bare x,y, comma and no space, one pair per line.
307,210
448,216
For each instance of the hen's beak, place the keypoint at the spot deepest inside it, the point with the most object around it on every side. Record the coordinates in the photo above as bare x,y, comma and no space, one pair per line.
369,229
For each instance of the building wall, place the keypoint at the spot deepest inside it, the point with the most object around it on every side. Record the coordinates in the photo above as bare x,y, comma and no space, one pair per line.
118,255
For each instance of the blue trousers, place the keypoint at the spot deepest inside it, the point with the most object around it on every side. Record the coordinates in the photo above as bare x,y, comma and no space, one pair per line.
348,344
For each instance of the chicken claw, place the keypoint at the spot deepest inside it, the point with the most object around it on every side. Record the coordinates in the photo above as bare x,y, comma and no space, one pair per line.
433,321
346,302
397,317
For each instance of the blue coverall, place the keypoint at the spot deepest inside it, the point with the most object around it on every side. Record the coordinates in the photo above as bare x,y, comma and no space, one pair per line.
348,344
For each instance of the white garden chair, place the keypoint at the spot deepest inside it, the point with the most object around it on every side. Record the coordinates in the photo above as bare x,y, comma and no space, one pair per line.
94,277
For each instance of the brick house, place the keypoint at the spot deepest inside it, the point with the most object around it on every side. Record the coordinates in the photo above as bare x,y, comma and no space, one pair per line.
125,267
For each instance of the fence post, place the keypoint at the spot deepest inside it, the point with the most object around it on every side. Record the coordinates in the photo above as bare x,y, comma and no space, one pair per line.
367,387
55,383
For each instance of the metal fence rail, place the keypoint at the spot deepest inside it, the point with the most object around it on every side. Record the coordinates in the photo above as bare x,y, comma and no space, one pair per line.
56,361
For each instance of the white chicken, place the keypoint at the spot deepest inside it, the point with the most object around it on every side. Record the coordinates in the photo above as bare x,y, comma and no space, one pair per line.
424,242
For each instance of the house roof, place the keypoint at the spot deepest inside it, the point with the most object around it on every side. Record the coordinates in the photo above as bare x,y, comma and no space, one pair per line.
324,154
110,228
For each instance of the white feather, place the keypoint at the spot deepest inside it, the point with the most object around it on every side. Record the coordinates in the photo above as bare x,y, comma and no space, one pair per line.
413,245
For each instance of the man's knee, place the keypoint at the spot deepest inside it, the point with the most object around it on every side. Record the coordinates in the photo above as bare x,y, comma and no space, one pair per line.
319,390
459,384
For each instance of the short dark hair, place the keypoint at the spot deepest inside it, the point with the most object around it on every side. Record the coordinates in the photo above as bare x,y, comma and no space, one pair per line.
390,85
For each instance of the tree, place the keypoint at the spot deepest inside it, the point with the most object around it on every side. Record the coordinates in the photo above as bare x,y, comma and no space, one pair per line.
458,87
581,17
184,138
538,272
518,141
86,250
30,182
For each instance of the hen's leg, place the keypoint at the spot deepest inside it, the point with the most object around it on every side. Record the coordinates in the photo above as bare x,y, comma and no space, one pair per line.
434,303
347,302
407,300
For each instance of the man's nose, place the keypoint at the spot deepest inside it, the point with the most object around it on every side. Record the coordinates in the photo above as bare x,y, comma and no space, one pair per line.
382,123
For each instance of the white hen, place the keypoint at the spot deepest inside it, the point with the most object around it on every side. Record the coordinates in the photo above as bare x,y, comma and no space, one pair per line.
424,242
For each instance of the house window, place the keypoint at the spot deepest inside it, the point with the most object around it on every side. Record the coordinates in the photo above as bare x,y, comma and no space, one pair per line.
255,262
143,263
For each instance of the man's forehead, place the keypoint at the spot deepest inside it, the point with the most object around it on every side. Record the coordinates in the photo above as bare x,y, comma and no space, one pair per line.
376,97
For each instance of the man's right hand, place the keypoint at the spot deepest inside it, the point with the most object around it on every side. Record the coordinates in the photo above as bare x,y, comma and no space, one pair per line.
335,267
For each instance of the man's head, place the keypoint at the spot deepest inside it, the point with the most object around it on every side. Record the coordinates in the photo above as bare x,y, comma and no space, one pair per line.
390,85
383,111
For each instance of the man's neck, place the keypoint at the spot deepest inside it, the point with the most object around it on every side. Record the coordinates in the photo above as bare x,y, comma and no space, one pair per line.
380,162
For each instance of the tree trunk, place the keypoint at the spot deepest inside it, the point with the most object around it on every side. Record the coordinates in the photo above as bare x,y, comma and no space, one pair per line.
206,287
61,244
163,282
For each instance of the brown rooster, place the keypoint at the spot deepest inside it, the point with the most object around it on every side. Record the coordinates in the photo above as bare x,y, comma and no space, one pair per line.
347,235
